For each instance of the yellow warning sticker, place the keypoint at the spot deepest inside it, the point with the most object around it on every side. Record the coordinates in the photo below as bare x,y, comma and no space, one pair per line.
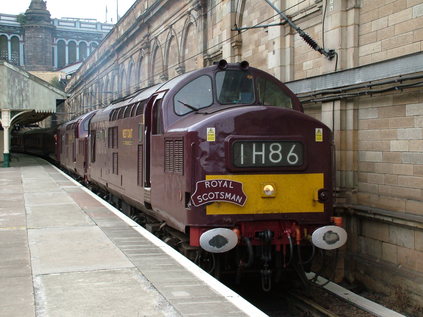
211,134
318,134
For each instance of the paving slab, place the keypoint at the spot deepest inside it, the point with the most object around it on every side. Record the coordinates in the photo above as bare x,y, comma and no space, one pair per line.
12,217
14,253
100,293
56,198
58,250
17,298
49,216
10,188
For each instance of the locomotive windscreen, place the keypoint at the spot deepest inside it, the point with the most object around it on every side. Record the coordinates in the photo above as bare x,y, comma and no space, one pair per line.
270,94
234,86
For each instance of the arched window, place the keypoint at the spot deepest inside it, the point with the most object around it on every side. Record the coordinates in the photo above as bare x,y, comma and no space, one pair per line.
189,48
172,57
157,71
122,85
82,51
61,54
72,52
3,48
15,55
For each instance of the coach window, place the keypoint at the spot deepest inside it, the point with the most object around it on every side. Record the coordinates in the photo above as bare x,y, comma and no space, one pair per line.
127,112
194,96
113,115
121,111
133,109
140,108
270,94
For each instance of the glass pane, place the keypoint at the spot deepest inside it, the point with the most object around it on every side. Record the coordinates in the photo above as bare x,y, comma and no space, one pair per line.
234,86
194,96
270,94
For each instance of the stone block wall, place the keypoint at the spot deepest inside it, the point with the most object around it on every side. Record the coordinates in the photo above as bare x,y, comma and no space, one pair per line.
390,147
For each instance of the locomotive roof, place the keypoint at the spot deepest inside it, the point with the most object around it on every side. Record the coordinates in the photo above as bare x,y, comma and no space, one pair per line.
175,84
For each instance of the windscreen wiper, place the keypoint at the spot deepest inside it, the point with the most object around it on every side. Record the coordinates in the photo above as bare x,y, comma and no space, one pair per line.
188,106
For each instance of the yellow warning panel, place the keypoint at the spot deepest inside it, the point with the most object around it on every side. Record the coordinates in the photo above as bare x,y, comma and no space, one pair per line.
318,135
211,134
292,193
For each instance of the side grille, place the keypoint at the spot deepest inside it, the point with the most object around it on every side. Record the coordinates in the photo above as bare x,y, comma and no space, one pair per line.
174,156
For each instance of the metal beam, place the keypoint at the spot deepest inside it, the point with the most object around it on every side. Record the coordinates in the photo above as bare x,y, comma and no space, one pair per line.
401,66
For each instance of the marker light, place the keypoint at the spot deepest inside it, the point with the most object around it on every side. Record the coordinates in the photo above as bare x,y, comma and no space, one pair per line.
269,190
218,240
329,237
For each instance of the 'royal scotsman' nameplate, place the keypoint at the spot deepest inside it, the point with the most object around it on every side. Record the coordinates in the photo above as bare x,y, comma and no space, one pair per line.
222,190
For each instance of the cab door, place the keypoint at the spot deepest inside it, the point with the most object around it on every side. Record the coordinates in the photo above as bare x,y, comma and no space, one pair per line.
153,146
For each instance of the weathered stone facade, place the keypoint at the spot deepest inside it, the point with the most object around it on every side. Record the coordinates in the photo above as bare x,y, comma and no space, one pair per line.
378,123
39,43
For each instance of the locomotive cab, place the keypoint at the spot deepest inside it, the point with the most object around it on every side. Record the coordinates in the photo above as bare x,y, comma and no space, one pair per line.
235,161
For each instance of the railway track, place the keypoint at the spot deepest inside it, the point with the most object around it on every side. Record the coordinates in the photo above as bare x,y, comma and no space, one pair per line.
311,301
304,306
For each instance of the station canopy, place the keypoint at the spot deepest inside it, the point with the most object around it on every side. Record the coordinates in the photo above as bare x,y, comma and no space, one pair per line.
26,98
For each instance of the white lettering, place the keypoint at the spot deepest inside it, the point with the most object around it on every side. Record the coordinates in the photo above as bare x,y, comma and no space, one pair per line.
292,156
275,150
258,153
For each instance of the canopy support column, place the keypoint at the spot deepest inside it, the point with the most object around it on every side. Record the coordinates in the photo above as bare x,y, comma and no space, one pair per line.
5,122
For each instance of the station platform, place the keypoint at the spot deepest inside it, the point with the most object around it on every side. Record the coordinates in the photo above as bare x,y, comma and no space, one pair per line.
65,252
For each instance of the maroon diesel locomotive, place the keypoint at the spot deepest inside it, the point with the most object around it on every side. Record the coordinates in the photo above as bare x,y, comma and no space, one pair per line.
226,156
223,159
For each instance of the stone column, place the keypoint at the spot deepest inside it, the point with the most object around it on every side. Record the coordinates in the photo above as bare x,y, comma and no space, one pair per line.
21,52
9,50
66,54
5,122
77,52
55,57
